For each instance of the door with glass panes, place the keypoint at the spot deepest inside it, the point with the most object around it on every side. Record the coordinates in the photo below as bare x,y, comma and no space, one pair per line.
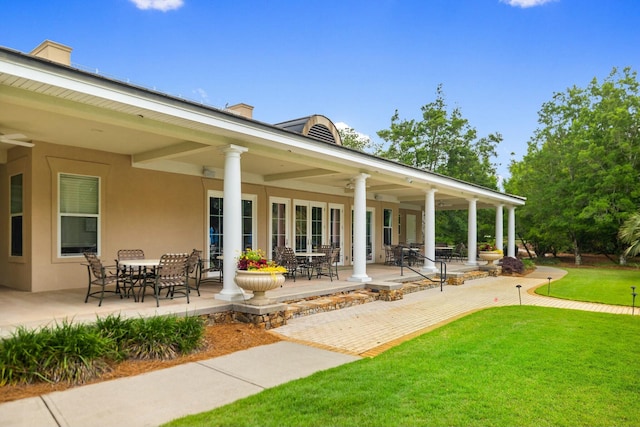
279,223
216,232
308,227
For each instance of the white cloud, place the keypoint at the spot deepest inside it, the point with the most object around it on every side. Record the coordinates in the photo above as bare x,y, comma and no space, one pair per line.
343,126
526,3
163,5
202,95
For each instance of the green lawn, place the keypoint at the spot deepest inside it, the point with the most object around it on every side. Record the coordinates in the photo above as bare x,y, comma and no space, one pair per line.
508,366
608,286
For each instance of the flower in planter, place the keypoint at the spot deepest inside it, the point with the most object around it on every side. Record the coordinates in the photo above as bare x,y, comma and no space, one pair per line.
488,247
255,260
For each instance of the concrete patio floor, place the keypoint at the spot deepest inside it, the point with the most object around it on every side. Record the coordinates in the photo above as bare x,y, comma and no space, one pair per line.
33,310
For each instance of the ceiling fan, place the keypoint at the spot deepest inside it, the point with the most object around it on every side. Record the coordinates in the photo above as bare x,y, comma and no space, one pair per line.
444,205
16,139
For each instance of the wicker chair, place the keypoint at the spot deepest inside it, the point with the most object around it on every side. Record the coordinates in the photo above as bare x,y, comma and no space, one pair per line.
101,276
172,275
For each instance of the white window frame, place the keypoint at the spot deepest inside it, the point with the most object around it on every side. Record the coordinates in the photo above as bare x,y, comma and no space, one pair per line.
83,215
253,198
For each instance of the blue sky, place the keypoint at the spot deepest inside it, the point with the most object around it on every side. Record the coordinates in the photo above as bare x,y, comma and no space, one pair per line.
355,62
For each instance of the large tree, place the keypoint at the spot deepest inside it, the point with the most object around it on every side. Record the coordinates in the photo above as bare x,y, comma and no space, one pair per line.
444,142
581,171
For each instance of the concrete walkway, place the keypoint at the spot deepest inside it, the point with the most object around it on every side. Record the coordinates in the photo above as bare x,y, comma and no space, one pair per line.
314,343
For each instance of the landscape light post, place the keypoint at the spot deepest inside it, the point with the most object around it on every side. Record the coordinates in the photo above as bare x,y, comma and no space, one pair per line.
549,285
519,297
633,301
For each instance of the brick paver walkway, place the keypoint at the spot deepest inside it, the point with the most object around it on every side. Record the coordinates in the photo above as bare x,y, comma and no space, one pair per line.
370,328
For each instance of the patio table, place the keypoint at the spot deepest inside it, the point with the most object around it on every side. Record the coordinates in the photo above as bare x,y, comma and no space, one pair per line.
145,268
444,252
309,260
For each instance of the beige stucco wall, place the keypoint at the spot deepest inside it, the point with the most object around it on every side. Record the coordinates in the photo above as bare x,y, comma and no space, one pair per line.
158,212
155,211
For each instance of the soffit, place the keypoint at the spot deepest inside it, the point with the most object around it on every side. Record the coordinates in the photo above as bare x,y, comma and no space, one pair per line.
172,134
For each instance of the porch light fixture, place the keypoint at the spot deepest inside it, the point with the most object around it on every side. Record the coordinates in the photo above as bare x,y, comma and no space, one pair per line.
409,180
208,173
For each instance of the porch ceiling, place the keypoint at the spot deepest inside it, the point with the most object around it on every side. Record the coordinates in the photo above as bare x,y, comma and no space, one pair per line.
189,142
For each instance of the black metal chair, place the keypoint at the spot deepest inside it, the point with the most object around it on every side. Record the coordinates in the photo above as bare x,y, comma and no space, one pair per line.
289,260
172,275
130,277
101,276
328,264
194,266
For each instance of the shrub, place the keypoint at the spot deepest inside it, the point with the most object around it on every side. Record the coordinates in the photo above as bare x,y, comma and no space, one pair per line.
73,353
512,265
164,337
77,353
118,329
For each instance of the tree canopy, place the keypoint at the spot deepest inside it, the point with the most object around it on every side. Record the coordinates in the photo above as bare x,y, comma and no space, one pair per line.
443,142
581,171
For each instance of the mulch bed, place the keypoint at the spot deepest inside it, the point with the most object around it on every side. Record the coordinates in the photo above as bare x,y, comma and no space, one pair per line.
219,340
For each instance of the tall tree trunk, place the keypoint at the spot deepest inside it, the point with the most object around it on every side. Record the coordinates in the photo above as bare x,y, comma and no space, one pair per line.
576,252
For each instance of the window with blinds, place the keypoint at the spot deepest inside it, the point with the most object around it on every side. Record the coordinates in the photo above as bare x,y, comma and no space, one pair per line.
79,216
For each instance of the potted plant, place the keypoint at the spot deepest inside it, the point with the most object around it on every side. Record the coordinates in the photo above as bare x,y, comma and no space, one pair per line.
255,273
489,252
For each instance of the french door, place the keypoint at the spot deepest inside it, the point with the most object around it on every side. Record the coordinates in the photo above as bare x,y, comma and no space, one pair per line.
370,237
308,225
336,229
216,215
279,223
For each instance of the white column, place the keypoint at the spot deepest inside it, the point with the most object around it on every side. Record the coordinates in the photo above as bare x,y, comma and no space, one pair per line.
231,222
360,230
511,232
472,237
499,228
430,230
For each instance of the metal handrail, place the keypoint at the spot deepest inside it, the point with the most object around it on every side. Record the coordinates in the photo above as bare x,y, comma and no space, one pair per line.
417,255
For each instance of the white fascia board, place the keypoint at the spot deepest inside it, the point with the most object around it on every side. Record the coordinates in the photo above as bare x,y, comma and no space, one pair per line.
301,143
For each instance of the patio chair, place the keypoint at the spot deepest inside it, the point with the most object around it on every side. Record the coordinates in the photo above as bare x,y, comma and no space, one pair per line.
289,260
460,252
129,278
402,256
172,275
212,265
101,276
193,269
389,256
328,265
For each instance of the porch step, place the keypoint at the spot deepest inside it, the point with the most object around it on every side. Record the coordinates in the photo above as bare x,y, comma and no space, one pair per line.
337,301
320,304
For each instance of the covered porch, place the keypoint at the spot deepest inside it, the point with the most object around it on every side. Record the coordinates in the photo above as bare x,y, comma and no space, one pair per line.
34,310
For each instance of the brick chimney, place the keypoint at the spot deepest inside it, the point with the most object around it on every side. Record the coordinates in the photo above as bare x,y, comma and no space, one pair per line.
53,51
241,109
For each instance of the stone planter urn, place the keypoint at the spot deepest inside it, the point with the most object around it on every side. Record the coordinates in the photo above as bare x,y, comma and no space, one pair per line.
259,282
489,256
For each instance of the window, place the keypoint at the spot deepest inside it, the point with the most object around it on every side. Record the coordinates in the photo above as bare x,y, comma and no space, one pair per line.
79,217
16,215
216,222
387,226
